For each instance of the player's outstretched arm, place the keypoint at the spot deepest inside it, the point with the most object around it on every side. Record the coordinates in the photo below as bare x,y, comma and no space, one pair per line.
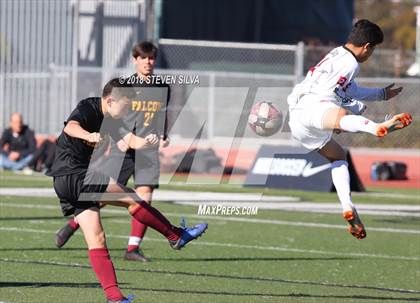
391,91
370,93
73,129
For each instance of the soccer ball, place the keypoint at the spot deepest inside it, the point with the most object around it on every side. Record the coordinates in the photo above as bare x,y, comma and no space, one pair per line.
265,120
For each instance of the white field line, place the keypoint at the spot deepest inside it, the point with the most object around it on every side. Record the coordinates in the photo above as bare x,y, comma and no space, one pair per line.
170,195
314,207
287,223
264,202
228,219
165,195
240,246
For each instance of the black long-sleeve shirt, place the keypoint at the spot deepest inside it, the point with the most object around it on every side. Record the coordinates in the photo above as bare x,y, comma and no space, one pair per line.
24,143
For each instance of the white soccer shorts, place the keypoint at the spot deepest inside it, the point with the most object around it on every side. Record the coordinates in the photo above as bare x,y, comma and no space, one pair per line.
306,118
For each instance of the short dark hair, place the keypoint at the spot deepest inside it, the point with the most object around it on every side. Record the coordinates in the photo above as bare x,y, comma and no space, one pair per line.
364,31
119,88
144,49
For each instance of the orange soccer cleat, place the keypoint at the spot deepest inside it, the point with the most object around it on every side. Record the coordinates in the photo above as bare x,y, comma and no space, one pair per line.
356,227
396,122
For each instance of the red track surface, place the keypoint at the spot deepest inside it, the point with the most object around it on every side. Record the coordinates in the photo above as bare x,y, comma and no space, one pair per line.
363,162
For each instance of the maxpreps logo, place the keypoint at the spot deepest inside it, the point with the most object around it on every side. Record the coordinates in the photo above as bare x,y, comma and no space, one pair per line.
287,167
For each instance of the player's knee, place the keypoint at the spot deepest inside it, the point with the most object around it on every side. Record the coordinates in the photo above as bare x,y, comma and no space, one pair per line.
341,113
148,201
96,240
337,156
331,119
333,152
340,155
100,239
145,193
133,207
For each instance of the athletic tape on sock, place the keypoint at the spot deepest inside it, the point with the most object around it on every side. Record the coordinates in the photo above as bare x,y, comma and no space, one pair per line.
135,241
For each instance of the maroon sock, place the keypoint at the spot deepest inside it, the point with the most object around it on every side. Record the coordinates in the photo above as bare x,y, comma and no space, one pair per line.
150,216
104,269
137,230
73,224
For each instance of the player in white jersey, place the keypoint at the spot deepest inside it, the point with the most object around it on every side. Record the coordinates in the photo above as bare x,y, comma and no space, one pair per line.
329,100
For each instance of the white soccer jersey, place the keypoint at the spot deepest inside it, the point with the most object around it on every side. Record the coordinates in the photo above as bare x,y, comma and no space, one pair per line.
333,79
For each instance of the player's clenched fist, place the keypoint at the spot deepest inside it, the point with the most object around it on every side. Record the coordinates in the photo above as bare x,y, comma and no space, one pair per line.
152,139
93,137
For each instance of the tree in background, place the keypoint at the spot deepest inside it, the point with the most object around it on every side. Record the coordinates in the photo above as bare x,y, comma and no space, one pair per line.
396,18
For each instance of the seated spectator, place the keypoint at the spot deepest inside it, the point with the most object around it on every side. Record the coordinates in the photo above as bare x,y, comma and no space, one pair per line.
17,144
43,157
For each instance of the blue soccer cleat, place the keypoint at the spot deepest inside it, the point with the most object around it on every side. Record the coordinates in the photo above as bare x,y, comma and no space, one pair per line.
189,234
129,299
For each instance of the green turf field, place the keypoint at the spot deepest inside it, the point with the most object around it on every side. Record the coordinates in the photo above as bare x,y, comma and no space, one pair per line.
253,259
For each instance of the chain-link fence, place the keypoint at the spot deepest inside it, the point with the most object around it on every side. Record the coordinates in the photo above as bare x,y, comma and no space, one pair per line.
218,102
46,46
33,36
408,101
231,57
384,63
272,70
45,83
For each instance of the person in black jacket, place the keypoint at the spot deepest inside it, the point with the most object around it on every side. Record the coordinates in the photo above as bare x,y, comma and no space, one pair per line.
17,144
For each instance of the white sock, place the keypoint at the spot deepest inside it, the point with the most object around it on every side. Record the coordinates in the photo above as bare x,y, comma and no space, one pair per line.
135,241
341,179
354,124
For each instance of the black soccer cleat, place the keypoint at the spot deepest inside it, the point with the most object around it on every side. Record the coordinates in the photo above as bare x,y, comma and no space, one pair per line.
63,235
136,255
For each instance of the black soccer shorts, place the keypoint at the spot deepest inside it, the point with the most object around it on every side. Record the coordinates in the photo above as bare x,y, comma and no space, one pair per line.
145,168
69,188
